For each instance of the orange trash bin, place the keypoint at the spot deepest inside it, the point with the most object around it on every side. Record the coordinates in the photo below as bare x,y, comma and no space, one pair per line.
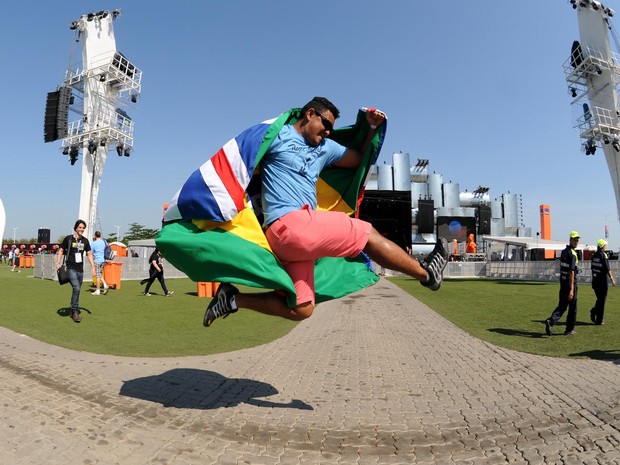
112,274
207,289
204,289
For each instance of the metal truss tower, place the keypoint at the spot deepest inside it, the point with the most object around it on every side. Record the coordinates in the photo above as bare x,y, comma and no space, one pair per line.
593,73
99,90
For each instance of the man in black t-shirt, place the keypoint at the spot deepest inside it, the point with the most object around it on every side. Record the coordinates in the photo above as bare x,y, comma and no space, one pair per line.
76,248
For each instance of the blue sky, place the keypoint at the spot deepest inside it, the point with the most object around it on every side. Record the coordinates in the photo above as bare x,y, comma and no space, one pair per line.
475,87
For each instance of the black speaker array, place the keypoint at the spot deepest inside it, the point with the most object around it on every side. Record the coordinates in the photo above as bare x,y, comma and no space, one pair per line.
390,214
426,216
57,114
484,220
44,236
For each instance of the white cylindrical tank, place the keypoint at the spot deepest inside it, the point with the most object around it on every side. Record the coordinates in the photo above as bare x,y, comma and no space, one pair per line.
402,174
496,209
510,211
419,174
435,181
469,199
497,227
451,195
419,190
385,180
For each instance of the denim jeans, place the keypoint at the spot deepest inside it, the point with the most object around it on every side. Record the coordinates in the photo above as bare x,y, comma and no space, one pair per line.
75,279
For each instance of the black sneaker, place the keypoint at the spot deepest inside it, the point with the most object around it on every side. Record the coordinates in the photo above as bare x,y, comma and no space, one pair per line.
221,304
592,316
548,326
435,263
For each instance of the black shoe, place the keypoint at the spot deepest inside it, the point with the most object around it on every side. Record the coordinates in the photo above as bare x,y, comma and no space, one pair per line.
548,326
144,281
75,316
570,333
435,263
592,316
221,304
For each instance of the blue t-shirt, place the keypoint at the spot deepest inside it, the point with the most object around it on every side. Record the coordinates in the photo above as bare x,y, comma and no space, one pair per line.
290,170
97,247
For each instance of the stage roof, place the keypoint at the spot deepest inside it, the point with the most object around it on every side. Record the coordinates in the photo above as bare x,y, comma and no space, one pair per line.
530,242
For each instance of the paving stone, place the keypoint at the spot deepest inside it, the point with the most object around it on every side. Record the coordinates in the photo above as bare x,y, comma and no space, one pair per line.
373,378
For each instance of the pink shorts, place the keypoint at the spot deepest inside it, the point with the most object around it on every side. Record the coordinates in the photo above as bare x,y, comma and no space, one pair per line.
302,236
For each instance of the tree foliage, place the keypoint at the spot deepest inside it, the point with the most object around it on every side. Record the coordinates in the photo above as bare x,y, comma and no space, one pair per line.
136,232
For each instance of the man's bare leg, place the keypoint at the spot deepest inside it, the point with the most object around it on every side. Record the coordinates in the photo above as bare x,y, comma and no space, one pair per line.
271,303
227,300
383,251
389,255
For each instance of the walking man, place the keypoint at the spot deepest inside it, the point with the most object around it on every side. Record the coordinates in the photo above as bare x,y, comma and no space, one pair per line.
568,288
98,249
77,249
600,272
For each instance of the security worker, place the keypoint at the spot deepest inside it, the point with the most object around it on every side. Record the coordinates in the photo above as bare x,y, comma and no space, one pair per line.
600,271
568,288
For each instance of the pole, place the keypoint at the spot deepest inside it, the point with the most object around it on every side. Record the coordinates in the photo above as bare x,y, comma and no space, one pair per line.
118,233
14,229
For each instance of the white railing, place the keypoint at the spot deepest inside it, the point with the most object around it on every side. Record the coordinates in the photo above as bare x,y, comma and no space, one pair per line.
110,127
116,70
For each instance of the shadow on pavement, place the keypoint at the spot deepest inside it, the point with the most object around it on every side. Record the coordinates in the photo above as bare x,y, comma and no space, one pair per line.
202,389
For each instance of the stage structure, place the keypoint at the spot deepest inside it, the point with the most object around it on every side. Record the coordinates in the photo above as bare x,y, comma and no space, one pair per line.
593,73
99,88
437,208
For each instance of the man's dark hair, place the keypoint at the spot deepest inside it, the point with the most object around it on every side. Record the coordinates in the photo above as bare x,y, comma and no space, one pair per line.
97,233
77,223
320,104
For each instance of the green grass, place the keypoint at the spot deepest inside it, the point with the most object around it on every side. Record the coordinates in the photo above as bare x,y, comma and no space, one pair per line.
505,313
124,322
511,314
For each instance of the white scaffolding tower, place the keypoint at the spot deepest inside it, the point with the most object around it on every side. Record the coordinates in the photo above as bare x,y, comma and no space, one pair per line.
593,74
103,86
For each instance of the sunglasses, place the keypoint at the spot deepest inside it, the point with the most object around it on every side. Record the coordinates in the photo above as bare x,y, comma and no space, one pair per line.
327,124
